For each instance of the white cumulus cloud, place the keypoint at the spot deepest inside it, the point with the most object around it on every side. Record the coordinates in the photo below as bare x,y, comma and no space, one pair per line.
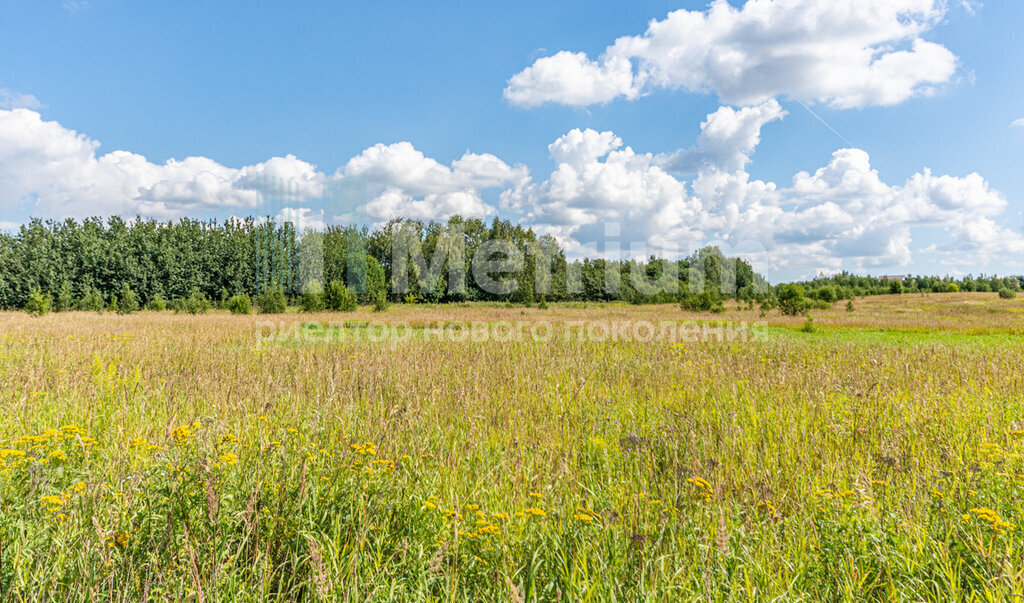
840,216
50,171
57,172
406,183
843,53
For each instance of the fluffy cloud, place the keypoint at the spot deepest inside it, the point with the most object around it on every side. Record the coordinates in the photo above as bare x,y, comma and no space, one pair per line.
572,79
51,171
1017,123
727,138
56,172
841,215
846,54
403,182
585,192
400,165
287,178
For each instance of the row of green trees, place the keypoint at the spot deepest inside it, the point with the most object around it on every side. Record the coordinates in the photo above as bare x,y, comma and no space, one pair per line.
90,260
249,264
847,286
336,297
126,265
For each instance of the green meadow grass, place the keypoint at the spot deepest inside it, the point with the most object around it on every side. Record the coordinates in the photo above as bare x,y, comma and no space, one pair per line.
162,457
840,335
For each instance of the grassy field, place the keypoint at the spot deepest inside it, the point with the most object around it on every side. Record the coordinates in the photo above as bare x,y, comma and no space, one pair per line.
564,454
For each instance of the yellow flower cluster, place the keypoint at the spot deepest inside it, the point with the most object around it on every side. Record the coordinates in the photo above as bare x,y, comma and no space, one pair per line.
767,507
143,443
51,436
702,489
118,540
493,523
484,526
586,515
367,449
45,447
185,433
990,516
991,452
54,504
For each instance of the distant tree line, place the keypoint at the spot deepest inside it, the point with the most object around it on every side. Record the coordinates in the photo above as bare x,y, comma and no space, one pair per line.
801,297
847,286
190,264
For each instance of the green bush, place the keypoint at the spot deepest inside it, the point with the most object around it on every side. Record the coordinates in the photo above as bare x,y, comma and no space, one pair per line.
313,297
196,303
129,302
272,301
92,301
38,304
895,287
791,300
1007,293
380,302
338,297
239,304
158,303
705,301
827,294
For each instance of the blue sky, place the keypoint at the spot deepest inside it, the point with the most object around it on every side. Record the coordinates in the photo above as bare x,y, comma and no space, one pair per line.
335,89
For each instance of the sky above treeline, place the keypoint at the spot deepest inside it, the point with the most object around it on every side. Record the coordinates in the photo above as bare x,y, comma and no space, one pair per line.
808,136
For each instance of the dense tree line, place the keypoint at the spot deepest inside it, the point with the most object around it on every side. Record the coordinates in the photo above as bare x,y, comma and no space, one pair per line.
89,264
94,259
124,265
847,286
